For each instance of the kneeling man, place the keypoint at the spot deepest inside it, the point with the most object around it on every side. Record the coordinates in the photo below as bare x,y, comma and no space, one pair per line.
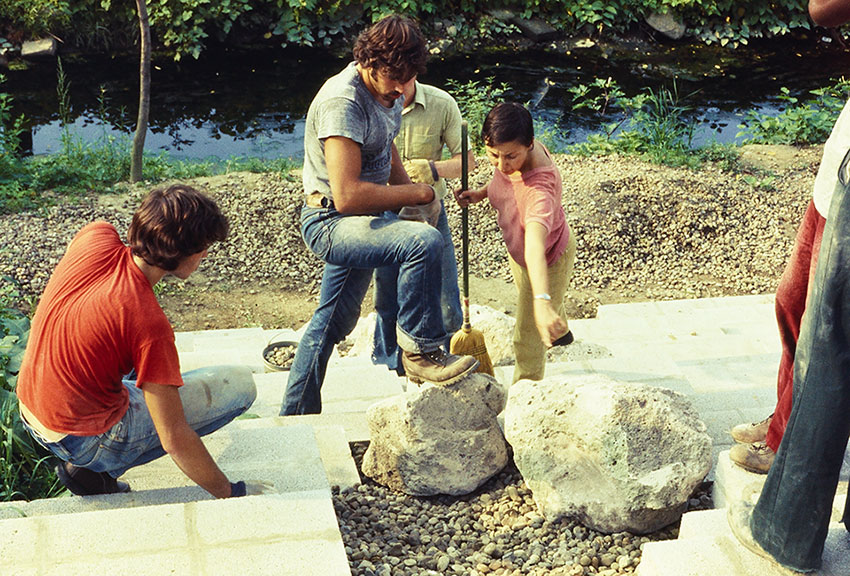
100,384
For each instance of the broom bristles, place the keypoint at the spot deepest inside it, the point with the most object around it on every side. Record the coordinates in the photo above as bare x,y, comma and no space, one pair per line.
470,342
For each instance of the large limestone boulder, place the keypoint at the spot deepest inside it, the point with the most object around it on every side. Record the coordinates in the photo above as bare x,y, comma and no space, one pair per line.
437,440
615,456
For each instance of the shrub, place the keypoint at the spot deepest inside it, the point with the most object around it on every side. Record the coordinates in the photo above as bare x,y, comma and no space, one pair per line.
807,122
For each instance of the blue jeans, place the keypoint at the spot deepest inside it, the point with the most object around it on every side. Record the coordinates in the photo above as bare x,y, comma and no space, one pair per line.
352,247
791,519
211,398
386,350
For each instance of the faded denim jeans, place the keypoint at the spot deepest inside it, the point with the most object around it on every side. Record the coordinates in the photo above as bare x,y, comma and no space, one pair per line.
352,247
791,519
385,349
211,398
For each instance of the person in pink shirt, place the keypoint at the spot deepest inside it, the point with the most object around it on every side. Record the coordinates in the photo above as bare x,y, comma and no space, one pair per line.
526,193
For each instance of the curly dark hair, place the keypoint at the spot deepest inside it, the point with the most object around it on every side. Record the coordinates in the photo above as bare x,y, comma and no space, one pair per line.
394,45
508,122
173,223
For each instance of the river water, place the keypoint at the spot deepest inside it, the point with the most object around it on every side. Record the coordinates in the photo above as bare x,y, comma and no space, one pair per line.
240,103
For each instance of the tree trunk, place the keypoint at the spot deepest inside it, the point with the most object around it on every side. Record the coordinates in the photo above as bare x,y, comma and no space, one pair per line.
144,92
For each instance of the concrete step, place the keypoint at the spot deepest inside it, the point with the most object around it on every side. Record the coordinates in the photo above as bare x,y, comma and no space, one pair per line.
351,386
709,549
331,438
732,484
287,534
287,457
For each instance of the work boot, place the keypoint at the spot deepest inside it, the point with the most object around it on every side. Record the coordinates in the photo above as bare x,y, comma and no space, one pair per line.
751,432
756,457
85,482
437,367
738,515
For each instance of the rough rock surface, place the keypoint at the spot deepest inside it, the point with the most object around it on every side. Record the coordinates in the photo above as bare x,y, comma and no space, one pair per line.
438,440
616,456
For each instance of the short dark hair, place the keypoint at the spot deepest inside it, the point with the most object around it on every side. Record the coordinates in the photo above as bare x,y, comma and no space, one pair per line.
394,44
173,223
508,122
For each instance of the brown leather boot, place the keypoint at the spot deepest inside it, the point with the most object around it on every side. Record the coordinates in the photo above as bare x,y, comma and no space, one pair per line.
751,432
437,367
756,457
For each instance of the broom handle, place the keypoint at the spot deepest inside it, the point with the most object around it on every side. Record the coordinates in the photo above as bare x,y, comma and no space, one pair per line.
464,183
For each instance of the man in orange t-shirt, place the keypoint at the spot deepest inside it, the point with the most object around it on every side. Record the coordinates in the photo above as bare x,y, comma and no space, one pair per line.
100,385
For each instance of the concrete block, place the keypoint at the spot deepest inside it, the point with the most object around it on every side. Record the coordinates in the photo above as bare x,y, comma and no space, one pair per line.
294,534
331,439
721,553
732,483
39,49
288,457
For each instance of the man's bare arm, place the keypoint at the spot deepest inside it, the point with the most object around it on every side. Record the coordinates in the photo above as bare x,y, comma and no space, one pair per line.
352,195
181,442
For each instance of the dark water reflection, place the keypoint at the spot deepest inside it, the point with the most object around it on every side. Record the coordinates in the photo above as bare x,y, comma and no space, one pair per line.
237,103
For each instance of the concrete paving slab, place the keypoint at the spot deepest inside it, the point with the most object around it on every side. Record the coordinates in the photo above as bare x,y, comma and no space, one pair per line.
288,457
721,553
331,439
262,535
349,386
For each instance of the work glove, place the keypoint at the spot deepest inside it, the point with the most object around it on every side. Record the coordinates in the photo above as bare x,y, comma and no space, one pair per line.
251,488
421,170
428,213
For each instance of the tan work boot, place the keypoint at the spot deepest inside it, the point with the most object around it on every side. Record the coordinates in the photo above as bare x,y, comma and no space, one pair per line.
738,515
751,432
437,367
756,457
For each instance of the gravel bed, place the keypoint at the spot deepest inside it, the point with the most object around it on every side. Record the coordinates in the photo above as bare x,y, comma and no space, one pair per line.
643,231
496,530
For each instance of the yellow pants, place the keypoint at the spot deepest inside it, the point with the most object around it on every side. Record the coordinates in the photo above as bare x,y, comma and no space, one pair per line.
529,350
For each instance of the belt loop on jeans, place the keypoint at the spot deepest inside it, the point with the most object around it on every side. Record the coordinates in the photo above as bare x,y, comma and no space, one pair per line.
318,200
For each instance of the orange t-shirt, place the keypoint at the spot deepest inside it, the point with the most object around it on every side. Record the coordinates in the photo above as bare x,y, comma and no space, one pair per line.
97,319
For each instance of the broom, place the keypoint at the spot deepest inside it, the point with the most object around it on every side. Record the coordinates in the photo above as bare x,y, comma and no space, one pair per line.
468,341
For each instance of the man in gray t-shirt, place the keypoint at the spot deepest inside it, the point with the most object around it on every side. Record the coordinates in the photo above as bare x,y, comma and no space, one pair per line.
354,185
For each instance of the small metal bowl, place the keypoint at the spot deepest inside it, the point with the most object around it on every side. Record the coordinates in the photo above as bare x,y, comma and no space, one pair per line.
274,348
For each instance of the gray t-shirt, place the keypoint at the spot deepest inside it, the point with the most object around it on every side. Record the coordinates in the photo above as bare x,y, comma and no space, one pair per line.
345,107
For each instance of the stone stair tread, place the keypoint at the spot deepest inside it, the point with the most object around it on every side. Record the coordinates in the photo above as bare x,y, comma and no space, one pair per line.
292,534
349,387
331,439
717,551
732,483
286,456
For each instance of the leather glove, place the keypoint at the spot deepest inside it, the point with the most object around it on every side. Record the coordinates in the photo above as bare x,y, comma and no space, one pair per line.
421,170
428,213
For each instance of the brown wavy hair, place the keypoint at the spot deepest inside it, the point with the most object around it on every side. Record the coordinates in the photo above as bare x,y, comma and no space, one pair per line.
173,223
394,45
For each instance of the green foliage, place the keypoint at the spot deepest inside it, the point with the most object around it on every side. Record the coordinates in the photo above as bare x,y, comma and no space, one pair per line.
652,125
36,17
25,471
475,99
728,22
184,27
551,135
807,122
